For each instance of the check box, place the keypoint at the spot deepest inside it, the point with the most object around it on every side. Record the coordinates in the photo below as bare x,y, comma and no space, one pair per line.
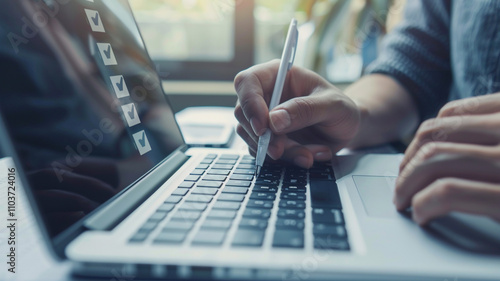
142,143
108,57
119,86
130,113
95,20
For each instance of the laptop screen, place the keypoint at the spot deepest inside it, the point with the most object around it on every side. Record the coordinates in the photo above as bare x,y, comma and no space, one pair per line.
82,103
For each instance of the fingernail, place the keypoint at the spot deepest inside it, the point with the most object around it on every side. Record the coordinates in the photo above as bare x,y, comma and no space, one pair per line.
323,156
301,161
256,127
280,120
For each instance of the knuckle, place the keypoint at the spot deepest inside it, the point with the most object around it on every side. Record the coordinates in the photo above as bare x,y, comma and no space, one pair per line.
445,189
428,150
449,109
239,79
304,108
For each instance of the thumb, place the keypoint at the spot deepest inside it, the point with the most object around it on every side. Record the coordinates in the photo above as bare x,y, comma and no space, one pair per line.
302,112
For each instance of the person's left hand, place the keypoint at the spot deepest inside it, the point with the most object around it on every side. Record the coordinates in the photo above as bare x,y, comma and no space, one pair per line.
453,163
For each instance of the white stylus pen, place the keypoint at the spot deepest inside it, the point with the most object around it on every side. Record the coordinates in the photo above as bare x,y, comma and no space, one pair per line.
286,63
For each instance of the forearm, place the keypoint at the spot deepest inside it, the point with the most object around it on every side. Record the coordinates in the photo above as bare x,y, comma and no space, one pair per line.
388,112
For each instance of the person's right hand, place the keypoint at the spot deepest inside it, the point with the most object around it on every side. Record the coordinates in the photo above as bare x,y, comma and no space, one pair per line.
313,121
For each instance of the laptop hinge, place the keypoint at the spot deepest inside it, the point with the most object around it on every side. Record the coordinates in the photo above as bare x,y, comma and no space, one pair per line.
117,210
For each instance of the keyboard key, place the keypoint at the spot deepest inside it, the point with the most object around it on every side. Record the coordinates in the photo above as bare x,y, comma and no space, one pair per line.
245,171
262,196
253,223
248,161
265,188
214,178
202,166
229,156
327,216
295,224
231,197
186,184
288,238
329,242
287,190
166,207
204,190
257,213
325,194
197,172
238,183
291,213
186,215
265,204
218,172
293,196
248,238
157,216
148,226
221,214
217,223
292,204
178,225
226,205
193,206
209,237
139,237
175,237
225,162
211,156
199,198
241,177
192,178
336,231
235,189
207,161
180,191
246,166
212,184
222,166
271,182
173,199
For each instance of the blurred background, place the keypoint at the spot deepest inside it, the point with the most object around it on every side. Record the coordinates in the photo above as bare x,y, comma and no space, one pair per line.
207,42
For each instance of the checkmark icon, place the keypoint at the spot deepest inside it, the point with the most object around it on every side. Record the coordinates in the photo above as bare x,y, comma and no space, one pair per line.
107,54
141,141
119,86
95,20
130,114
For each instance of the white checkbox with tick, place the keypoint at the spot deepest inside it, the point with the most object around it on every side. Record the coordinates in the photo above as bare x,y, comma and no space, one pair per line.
130,113
95,20
119,86
141,142
107,54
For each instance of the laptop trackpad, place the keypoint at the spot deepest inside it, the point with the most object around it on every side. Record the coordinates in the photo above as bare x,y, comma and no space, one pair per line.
376,195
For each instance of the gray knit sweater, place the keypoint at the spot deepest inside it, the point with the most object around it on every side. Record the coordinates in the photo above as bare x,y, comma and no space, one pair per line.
444,50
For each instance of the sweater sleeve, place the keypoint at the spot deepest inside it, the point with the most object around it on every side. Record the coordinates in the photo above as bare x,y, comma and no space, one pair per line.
417,54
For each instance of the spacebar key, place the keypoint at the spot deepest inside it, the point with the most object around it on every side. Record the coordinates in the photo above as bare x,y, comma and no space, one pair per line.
325,194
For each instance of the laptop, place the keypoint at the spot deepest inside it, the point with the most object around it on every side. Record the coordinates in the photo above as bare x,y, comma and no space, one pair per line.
115,189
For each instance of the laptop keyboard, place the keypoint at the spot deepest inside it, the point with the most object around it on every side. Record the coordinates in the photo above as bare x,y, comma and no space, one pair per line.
220,203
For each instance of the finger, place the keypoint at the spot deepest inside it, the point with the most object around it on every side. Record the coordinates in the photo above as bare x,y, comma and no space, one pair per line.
484,104
481,130
299,155
451,194
89,187
252,143
326,109
244,123
251,86
443,166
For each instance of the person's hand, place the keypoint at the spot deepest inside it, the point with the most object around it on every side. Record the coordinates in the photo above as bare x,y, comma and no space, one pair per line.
453,163
313,121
